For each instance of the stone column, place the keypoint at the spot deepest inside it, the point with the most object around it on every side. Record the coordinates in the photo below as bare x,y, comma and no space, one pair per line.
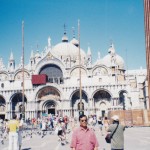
10,110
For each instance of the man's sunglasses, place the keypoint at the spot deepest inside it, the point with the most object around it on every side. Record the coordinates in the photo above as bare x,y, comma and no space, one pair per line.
85,120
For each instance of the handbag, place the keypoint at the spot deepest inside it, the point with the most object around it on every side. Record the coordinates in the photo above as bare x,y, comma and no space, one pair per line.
110,135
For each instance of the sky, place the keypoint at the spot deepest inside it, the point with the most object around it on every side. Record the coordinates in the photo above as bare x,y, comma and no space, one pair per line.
101,22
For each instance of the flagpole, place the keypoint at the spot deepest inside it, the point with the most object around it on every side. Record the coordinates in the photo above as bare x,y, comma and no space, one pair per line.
80,111
23,108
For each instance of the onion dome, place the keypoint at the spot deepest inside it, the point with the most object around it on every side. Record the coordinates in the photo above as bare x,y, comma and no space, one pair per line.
113,59
75,42
65,49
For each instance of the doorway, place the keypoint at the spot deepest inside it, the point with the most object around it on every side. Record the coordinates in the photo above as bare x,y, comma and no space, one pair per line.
103,113
2,117
51,111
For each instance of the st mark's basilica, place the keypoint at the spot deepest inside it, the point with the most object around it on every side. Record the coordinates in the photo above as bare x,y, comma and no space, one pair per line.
51,82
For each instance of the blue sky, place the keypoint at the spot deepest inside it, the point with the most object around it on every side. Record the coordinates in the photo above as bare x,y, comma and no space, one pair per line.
101,21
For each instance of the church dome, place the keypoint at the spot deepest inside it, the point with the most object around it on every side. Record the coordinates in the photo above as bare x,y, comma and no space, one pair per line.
75,42
113,60
67,49
65,38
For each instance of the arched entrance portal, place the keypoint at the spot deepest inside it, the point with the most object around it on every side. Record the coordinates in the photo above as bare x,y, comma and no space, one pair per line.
2,107
49,107
48,99
75,103
16,104
101,102
124,100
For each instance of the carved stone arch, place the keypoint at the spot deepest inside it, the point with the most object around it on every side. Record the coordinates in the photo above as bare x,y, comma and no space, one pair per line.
16,104
100,70
101,101
50,106
124,100
48,57
103,106
75,99
19,73
48,100
50,103
54,73
3,75
52,86
75,71
101,95
101,89
54,62
2,107
47,91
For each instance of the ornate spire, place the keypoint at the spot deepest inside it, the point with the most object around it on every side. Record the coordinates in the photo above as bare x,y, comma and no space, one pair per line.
99,55
32,54
111,49
64,38
11,56
49,42
11,64
74,41
73,32
64,29
89,51
1,63
21,60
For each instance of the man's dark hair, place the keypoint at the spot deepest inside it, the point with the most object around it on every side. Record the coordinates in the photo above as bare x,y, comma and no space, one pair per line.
81,116
14,116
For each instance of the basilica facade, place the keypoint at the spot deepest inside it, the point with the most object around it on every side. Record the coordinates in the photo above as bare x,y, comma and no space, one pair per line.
51,83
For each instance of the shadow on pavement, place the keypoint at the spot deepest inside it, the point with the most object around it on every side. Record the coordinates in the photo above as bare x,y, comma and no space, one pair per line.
26,149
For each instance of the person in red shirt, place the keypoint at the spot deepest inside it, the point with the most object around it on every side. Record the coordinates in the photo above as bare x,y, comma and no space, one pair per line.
84,138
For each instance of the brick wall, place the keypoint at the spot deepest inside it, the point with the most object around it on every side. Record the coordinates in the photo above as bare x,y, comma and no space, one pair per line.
132,117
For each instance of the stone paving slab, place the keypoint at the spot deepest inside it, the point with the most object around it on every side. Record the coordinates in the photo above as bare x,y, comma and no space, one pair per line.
135,139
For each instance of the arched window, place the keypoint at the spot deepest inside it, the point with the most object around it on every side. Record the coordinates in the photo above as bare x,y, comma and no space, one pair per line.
53,72
2,85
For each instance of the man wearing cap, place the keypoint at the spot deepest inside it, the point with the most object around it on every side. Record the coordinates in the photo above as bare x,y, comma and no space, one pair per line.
117,141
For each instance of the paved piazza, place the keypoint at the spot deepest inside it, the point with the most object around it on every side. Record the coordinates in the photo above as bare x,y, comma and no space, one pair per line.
137,138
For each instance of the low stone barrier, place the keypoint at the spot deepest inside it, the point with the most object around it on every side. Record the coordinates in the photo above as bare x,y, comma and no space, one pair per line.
136,117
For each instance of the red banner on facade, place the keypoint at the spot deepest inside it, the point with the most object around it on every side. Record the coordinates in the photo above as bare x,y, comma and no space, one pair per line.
39,79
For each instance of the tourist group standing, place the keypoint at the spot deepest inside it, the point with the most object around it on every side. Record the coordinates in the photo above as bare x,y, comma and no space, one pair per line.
82,130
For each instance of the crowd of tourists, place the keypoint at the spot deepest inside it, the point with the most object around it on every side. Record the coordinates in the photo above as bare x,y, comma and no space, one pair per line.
82,130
